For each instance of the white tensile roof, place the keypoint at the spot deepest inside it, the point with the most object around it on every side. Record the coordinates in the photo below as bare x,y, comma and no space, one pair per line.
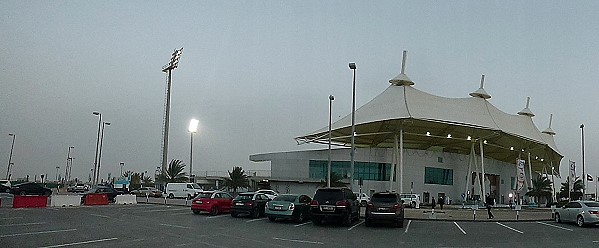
428,120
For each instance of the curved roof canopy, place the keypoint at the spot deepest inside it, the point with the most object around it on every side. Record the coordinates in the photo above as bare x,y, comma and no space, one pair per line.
448,124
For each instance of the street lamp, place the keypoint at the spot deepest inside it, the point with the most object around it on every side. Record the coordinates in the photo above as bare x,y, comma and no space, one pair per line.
331,99
193,128
100,154
57,167
122,164
93,179
584,176
352,66
10,156
67,175
168,68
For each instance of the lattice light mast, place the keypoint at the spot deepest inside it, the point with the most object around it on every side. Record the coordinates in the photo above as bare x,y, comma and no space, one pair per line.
174,63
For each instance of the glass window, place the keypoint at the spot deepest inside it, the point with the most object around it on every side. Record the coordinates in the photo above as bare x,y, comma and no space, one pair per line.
366,170
592,204
438,176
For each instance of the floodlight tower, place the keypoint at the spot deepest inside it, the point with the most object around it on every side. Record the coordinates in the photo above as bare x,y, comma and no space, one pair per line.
168,68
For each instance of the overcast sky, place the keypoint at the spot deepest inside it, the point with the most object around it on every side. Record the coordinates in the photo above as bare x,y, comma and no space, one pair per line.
258,73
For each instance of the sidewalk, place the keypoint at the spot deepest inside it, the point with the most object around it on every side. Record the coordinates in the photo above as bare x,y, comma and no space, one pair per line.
459,214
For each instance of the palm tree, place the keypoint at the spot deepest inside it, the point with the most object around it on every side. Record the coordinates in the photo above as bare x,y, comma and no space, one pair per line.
335,181
541,187
576,193
147,181
173,173
237,179
136,180
127,173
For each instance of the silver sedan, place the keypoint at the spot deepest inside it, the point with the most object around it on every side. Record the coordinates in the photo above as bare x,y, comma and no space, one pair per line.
580,212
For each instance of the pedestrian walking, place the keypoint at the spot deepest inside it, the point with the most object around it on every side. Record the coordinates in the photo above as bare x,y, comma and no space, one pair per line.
489,201
433,202
441,202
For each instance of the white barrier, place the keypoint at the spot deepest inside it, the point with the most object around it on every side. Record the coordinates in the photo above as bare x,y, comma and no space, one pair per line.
65,200
126,199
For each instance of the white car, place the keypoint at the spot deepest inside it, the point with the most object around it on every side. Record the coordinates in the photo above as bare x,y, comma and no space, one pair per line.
182,190
268,192
362,199
579,212
409,199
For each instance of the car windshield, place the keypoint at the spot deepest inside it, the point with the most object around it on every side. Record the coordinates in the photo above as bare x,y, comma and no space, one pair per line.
204,195
331,195
196,186
592,204
287,198
387,198
244,197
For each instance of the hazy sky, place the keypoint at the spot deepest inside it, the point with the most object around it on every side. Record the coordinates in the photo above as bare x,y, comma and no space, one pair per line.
258,73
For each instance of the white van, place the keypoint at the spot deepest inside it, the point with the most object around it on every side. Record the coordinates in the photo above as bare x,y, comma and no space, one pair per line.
182,190
412,200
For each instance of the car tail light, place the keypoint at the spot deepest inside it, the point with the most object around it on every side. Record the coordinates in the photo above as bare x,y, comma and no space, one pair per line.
314,203
593,212
370,206
342,204
249,204
291,206
397,206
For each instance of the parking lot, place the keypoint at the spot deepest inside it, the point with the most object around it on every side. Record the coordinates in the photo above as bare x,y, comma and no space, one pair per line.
176,226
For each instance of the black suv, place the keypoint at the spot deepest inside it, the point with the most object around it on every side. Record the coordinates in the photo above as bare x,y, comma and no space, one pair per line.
385,206
30,188
334,204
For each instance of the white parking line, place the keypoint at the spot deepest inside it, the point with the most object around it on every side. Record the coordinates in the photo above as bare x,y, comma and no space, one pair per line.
408,226
10,218
23,224
164,210
305,223
80,243
33,233
459,227
176,226
99,215
518,231
547,224
300,241
360,223
216,216
254,220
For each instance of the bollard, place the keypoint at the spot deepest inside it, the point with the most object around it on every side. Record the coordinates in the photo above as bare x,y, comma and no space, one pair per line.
164,200
517,215
185,201
474,215
147,200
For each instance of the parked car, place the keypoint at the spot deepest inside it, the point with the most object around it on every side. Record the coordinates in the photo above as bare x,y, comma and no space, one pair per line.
109,191
5,183
182,190
385,207
250,203
580,212
30,188
269,192
78,188
289,206
149,191
214,202
362,199
4,189
334,204
410,199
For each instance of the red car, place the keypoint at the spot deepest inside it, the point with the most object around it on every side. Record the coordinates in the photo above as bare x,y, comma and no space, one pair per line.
214,202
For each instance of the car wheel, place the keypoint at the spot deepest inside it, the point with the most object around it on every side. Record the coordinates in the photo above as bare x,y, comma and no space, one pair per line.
347,220
580,221
300,218
233,214
316,221
22,193
557,218
196,211
171,196
255,213
214,211
272,219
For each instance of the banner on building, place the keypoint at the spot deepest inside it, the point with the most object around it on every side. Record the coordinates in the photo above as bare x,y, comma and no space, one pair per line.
520,174
572,175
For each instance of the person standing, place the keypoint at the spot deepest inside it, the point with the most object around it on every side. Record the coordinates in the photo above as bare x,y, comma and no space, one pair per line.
433,202
489,201
441,202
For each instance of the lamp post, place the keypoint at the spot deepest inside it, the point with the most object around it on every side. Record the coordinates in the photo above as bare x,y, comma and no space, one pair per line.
57,167
193,128
93,179
331,99
352,66
122,164
168,68
584,176
10,156
100,154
